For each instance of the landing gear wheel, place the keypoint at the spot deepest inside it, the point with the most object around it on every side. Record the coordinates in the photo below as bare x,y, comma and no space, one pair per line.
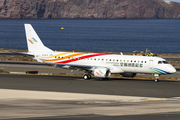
156,77
157,80
87,76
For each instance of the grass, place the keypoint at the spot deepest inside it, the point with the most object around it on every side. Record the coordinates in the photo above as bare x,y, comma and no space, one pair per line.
2,71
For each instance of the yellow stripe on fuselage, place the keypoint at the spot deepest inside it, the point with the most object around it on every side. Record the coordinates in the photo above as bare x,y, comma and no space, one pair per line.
58,55
64,57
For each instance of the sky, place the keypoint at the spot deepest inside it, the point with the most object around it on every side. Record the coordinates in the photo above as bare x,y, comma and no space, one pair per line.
173,0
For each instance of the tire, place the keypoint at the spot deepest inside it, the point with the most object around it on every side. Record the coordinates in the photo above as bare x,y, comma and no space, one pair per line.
89,76
86,77
157,80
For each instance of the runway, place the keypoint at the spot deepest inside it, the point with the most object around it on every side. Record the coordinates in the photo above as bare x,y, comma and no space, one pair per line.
61,97
134,87
33,97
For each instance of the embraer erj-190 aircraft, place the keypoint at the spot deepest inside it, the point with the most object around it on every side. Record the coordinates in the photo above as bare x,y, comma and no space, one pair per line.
99,65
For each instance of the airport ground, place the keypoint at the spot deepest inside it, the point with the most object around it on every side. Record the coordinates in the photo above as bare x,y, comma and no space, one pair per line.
36,97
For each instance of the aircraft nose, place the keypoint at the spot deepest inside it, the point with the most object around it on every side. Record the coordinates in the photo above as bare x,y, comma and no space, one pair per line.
172,70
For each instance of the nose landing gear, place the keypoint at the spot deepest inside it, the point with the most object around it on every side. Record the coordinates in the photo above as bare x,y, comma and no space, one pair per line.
156,77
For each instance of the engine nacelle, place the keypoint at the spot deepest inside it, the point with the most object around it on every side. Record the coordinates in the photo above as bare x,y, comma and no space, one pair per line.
102,72
128,74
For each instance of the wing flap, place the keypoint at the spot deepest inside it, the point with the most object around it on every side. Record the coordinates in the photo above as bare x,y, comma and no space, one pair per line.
75,67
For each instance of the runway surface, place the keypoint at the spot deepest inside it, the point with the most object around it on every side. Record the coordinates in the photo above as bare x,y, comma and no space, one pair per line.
36,97
33,97
135,87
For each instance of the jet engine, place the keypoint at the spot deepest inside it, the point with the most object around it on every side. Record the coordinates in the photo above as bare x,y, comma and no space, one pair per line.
102,72
128,74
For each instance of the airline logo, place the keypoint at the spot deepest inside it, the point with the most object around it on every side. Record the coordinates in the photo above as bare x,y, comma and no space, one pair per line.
32,41
158,71
99,73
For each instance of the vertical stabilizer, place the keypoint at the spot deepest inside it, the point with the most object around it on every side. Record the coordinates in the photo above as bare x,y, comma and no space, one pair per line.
33,41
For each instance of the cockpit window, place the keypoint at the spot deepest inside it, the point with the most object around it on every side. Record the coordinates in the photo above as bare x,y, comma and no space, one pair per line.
163,62
159,62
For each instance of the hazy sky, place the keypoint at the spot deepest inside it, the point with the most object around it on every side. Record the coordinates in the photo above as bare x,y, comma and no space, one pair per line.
173,0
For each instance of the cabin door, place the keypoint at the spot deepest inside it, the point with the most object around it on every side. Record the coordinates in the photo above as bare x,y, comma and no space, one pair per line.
151,63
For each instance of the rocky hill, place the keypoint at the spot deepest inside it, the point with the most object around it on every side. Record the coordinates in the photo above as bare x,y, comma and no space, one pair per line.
56,9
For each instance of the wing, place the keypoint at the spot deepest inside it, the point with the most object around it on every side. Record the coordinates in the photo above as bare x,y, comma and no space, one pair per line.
75,67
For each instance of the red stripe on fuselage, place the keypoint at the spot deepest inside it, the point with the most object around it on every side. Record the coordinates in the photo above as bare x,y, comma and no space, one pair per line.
81,58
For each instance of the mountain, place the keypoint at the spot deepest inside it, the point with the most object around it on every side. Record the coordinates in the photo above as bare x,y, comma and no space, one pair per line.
112,9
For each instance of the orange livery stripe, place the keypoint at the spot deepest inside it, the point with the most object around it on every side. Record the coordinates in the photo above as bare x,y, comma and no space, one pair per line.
65,57
82,57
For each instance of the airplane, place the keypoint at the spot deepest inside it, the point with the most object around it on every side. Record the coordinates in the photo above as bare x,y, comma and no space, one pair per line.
97,64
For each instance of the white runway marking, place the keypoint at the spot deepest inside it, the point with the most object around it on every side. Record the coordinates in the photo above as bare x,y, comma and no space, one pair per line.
27,104
27,94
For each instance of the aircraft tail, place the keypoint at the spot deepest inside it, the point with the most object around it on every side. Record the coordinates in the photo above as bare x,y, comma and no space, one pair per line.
34,43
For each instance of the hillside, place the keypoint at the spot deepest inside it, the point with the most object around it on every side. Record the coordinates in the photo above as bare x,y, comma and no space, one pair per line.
56,9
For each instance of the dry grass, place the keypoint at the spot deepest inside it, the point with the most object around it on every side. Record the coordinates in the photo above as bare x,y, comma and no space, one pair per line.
14,58
175,63
2,71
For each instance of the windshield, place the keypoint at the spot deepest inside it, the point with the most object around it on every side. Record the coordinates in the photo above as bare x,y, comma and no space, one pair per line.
163,62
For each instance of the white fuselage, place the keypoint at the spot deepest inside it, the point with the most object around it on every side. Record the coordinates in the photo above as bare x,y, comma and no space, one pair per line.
116,63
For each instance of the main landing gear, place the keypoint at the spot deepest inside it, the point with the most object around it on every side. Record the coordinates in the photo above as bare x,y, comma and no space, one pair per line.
87,76
156,77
